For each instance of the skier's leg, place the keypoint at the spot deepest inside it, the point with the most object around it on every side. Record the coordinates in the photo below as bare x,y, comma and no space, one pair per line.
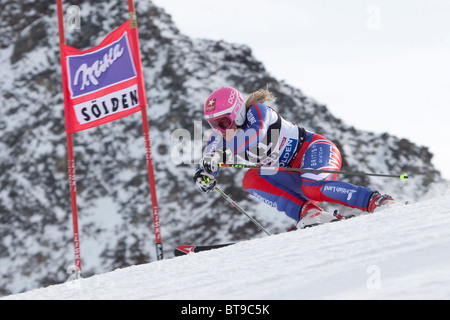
268,190
322,154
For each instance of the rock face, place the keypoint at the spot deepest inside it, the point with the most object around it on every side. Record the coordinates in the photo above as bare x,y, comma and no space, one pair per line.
113,194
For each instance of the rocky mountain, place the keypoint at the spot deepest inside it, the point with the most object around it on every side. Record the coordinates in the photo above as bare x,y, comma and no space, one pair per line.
113,193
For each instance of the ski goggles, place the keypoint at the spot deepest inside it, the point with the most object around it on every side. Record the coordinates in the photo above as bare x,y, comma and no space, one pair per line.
222,123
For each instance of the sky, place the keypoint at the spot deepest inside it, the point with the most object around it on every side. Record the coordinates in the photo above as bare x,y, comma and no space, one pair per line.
381,66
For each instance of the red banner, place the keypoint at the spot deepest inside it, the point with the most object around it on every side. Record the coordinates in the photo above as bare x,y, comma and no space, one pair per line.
103,83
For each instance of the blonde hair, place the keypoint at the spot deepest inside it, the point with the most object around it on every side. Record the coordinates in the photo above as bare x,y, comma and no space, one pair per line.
260,96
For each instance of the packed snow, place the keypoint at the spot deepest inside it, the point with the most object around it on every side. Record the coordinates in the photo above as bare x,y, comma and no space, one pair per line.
401,252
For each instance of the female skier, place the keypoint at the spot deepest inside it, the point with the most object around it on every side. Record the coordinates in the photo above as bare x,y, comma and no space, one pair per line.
260,135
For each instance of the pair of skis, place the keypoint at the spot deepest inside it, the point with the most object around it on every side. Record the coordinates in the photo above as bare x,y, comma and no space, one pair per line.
186,249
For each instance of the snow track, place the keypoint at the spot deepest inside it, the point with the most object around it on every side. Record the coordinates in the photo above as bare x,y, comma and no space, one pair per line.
402,252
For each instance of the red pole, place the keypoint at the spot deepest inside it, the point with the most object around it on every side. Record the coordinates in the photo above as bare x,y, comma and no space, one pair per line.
146,130
70,156
151,181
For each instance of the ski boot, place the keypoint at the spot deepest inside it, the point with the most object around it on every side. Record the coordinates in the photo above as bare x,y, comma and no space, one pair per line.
312,215
377,200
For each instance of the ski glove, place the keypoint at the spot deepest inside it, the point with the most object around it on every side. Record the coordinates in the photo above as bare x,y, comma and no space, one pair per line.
210,162
204,180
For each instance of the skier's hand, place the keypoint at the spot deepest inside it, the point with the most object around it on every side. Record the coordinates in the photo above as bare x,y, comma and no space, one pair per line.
204,180
210,162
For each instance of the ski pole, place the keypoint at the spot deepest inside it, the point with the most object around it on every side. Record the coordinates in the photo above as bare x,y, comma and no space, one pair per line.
403,177
226,197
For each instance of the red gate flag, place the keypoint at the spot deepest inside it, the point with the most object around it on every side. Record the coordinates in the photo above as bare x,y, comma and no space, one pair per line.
100,85
103,83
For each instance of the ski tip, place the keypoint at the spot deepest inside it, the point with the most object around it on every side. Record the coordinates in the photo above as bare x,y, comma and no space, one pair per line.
183,250
186,249
404,177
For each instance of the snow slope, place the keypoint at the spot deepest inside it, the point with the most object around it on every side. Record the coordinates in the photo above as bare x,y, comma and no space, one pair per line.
402,252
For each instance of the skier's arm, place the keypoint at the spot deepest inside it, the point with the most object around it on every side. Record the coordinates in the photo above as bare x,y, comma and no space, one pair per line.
205,174
253,131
